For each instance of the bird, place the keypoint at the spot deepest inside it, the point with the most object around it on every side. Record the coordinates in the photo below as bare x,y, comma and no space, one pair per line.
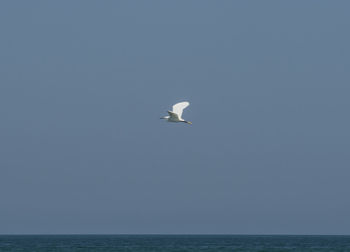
175,115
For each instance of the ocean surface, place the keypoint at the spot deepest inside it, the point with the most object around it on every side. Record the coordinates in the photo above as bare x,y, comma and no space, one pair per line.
169,243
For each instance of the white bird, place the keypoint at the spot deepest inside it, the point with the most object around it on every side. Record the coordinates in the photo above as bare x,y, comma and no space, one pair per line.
175,115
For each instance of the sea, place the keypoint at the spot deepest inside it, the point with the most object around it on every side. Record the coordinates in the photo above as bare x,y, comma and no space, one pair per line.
172,243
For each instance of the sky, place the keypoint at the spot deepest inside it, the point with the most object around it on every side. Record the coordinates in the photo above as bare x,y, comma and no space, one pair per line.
84,83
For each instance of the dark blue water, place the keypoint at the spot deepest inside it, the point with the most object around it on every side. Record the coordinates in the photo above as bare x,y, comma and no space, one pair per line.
167,243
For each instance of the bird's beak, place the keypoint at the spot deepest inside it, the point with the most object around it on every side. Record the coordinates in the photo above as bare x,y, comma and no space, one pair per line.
188,122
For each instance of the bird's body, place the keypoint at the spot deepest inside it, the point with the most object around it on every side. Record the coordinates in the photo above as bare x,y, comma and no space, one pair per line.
176,114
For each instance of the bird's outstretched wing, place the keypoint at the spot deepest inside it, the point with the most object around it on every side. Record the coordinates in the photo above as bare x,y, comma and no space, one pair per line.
179,107
173,116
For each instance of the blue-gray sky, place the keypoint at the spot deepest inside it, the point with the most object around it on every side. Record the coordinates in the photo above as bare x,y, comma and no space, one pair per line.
82,87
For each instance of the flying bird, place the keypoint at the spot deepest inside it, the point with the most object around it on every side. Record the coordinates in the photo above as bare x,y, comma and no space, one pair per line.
175,115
